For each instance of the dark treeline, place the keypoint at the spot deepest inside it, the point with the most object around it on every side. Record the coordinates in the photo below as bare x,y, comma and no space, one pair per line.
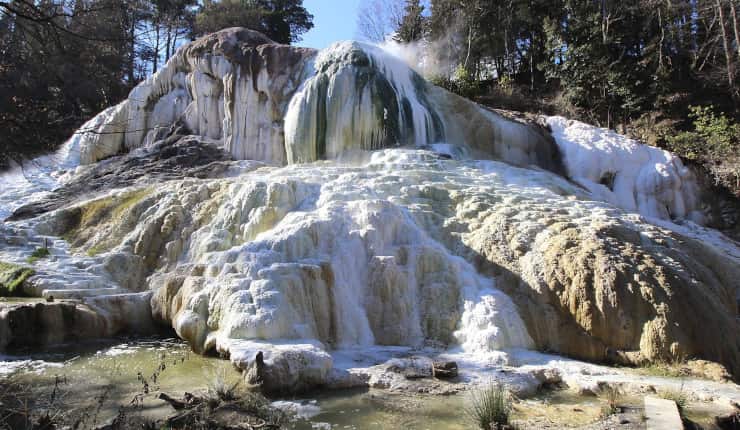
664,71
62,61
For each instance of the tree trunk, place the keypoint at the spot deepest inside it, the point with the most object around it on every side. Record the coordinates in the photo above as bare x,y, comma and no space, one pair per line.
168,51
470,45
156,48
662,41
728,53
735,26
605,22
132,48
531,61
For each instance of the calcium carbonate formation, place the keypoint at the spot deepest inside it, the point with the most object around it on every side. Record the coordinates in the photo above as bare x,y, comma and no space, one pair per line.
431,222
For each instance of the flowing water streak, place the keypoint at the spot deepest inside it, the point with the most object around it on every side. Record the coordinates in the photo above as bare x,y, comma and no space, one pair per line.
360,97
327,256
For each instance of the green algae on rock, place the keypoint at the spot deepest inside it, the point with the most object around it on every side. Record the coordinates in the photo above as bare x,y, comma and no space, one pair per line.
13,279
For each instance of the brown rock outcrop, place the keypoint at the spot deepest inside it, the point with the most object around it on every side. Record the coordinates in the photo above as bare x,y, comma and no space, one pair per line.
36,324
608,291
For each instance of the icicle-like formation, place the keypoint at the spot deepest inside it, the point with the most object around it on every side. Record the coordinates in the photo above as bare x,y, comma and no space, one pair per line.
626,173
281,104
360,98
232,86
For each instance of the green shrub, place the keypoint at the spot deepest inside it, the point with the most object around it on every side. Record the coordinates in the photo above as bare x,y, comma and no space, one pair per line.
613,396
712,135
506,85
38,254
461,83
490,407
714,141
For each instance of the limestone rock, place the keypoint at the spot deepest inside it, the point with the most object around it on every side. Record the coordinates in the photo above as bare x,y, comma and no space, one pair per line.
209,85
548,376
282,369
412,367
40,324
707,369
444,369
281,104
607,291
304,254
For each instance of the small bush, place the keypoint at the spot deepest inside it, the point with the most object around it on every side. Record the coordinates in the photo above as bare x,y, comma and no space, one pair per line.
38,254
613,396
506,85
714,141
222,390
461,83
490,407
678,396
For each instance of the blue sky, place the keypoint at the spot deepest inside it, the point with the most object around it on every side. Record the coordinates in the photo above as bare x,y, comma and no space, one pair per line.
333,20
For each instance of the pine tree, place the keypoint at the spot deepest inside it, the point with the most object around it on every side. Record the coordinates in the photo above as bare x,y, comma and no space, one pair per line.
283,21
412,26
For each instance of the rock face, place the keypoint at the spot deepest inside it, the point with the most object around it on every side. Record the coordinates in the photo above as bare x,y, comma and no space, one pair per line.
604,290
319,245
41,324
232,86
444,369
280,104
177,156
628,174
351,257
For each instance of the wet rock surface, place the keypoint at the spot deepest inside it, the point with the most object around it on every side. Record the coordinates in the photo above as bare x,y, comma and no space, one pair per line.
444,369
35,325
433,246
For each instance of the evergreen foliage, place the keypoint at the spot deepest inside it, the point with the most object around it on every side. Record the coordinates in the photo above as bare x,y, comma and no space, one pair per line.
631,65
281,20
412,26
63,61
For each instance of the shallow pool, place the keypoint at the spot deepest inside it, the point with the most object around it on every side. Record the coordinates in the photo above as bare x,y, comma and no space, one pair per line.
107,375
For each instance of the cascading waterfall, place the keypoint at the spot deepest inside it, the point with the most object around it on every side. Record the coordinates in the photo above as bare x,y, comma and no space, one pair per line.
416,246
359,98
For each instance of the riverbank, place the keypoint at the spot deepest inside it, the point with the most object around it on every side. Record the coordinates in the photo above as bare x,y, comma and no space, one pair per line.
109,377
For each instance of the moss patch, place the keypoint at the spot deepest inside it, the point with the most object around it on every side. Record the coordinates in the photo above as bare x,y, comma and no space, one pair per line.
130,200
38,254
105,210
664,369
13,279
96,249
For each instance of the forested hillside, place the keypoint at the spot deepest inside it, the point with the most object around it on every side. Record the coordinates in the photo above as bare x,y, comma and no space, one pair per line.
665,72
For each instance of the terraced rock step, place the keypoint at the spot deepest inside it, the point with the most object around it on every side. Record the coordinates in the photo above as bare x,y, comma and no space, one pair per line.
662,414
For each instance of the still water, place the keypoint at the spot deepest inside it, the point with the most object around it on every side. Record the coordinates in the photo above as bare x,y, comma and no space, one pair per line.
107,375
